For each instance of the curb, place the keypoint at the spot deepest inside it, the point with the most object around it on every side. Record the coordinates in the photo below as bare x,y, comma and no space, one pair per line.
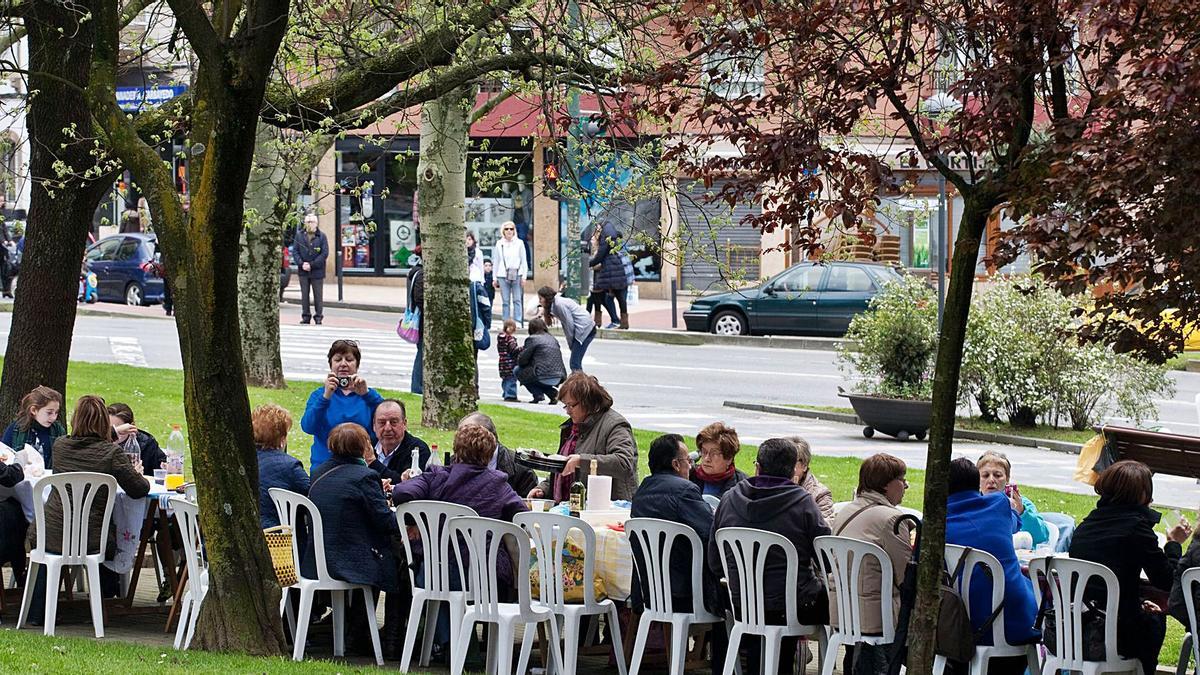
964,434
358,306
692,339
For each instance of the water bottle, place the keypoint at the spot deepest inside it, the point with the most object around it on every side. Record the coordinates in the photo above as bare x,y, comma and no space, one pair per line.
132,447
434,458
175,444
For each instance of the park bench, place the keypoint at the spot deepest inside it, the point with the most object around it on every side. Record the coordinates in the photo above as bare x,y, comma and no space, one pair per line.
1171,454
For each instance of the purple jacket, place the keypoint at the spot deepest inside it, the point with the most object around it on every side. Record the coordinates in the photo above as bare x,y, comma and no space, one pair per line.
483,489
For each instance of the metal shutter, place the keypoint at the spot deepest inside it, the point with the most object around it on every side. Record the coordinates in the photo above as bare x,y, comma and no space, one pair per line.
714,241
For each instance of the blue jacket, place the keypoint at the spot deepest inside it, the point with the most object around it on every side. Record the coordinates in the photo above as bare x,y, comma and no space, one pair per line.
358,525
322,414
666,496
311,250
277,469
987,523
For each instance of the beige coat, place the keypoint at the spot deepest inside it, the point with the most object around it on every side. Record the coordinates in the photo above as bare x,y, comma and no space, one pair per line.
874,525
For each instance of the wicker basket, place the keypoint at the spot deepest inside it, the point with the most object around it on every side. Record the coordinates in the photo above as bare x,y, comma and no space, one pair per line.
279,543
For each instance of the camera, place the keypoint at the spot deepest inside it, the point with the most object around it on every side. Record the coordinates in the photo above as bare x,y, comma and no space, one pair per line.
344,382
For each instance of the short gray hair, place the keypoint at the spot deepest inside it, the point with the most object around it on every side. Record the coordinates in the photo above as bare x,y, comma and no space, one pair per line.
480,419
312,217
803,452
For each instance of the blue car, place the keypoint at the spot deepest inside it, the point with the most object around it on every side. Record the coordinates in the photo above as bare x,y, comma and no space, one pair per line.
126,267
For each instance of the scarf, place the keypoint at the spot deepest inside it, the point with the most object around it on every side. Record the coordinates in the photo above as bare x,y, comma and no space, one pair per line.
718,478
562,484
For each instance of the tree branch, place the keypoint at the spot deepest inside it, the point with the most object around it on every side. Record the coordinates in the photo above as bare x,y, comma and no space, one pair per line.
201,35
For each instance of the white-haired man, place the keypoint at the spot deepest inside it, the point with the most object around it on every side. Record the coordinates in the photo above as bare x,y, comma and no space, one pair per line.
310,251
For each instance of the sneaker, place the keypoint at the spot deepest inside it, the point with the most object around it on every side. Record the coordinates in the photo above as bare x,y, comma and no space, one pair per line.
303,322
612,325
318,321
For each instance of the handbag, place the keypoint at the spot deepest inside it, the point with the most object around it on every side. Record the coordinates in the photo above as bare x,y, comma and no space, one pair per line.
279,544
409,328
512,274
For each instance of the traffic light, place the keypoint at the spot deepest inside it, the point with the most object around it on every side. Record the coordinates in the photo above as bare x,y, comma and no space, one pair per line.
550,173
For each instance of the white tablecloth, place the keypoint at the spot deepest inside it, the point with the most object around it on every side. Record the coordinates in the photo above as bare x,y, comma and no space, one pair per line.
128,516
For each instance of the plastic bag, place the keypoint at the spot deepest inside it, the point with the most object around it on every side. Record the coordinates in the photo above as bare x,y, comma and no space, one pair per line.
409,328
1089,454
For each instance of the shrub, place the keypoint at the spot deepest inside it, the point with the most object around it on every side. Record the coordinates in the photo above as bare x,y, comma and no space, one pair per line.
890,348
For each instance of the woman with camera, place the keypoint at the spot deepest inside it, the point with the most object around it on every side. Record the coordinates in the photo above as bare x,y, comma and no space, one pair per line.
344,397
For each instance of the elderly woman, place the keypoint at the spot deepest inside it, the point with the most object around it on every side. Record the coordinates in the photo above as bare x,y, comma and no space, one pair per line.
715,474
90,447
872,517
578,327
276,468
1119,534
344,397
995,472
358,525
805,479
593,432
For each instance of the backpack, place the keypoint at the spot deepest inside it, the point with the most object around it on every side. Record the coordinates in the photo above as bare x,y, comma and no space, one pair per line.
955,637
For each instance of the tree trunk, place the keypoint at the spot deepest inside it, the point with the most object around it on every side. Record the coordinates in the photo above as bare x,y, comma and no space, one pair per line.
281,167
60,211
923,625
449,349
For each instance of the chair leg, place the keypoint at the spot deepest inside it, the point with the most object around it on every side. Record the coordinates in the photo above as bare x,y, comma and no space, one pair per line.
570,644
93,575
27,595
639,645
1185,655
504,647
410,633
372,625
526,648
492,634
679,642
302,621
939,665
458,652
556,657
432,607
52,580
830,657
185,615
339,622
731,655
191,633
614,628
771,652
457,611
979,664
285,608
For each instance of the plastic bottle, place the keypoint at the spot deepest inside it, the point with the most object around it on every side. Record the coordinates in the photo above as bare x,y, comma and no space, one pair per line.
414,469
175,443
132,447
434,458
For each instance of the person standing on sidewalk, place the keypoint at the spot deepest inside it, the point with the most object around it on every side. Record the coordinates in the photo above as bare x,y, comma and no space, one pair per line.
610,269
416,300
577,324
311,250
511,269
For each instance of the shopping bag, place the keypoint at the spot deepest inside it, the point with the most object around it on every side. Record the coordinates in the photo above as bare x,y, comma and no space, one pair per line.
409,328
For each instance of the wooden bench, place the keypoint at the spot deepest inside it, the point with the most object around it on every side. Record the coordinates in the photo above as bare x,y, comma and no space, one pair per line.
1171,454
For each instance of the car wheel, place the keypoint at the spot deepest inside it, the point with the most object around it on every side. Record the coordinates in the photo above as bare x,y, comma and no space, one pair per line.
730,322
133,295
868,432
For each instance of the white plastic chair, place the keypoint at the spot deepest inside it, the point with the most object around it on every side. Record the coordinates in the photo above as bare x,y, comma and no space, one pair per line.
713,501
749,548
1052,535
188,516
840,561
77,492
289,504
1191,647
655,539
432,520
550,531
483,538
1067,580
982,567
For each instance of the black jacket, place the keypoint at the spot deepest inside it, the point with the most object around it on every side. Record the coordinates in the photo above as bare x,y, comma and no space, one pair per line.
402,458
776,505
311,250
358,525
1177,608
152,455
11,474
1122,538
520,478
541,359
666,496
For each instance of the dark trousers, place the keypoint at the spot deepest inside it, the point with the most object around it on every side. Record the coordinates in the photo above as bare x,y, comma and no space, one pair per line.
603,299
621,295
540,389
317,287
12,537
814,612
168,298
110,587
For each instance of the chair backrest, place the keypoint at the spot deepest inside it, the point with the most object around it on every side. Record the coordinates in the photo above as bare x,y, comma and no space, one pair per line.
1068,581
749,548
1189,580
652,540
713,501
187,514
432,520
1052,535
189,491
77,491
289,504
979,567
483,538
840,560
550,532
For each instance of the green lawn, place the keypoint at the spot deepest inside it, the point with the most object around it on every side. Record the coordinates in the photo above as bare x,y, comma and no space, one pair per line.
156,397
1180,361
1047,432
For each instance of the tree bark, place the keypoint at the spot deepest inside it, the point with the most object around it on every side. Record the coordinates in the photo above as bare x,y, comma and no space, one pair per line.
449,349
923,625
281,168
61,206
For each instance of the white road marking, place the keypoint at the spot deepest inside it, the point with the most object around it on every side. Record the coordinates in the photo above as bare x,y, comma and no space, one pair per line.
127,350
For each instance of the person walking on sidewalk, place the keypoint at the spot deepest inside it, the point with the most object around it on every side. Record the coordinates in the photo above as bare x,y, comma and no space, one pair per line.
310,251
511,269
610,269
577,324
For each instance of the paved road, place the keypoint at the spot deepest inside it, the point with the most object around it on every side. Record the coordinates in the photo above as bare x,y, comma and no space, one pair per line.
662,387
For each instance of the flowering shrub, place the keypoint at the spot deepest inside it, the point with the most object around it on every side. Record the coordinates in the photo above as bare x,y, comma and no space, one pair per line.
889,349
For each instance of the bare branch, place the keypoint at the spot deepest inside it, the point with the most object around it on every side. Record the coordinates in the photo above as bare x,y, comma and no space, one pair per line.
201,35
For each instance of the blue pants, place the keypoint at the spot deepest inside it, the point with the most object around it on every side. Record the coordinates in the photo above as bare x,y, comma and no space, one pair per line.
512,294
579,349
508,386
418,370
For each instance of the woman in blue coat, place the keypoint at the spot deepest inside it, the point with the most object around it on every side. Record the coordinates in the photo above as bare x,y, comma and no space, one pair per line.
344,397
987,522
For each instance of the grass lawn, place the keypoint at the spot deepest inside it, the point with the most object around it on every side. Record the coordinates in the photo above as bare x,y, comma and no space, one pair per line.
1180,361
1047,432
156,396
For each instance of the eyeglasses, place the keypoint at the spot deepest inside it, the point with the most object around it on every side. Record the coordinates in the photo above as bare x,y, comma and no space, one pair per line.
687,459
568,405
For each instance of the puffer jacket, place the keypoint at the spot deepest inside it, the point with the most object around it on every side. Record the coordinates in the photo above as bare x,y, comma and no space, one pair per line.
541,359
610,269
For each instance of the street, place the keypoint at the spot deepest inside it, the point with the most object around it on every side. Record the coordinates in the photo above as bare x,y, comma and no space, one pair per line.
661,387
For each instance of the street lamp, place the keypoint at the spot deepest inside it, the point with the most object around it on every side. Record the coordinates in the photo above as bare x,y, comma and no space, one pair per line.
936,107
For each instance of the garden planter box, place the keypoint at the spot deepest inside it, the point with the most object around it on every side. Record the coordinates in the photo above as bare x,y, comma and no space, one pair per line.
892,416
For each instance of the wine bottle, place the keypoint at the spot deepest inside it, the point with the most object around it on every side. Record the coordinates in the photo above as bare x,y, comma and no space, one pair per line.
415,469
578,493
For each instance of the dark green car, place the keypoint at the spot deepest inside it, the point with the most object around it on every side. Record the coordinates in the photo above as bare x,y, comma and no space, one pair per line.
805,299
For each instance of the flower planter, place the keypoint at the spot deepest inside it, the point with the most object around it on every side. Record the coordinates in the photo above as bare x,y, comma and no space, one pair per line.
895,417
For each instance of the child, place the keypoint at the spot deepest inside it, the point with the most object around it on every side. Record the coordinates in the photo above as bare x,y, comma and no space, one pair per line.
36,423
506,345
489,281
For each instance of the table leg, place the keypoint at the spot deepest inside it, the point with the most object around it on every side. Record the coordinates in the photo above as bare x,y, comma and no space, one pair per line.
147,530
